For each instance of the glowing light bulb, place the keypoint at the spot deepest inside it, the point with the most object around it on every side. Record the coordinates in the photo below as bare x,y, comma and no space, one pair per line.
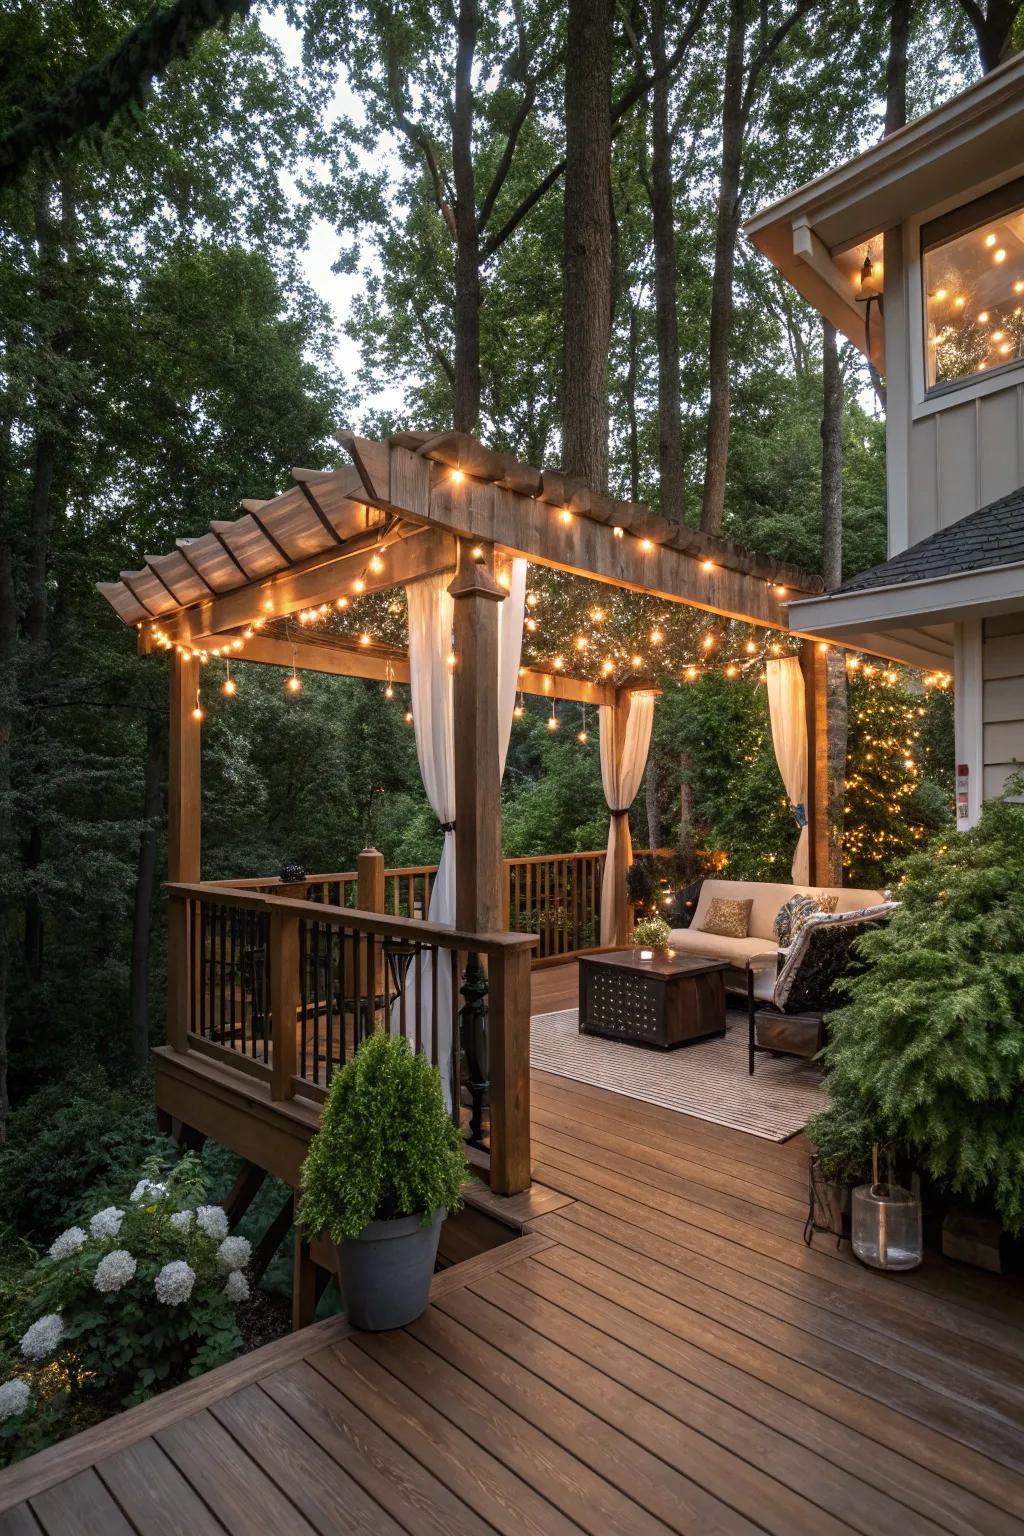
407,717
990,241
376,564
294,683
619,533
236,645
531,625
750,647
707,565
708,642
342,603
268,605
780,591
997,335
364,638
565,516
607,667
552,722
822,647
359,585
558,663
960,301
940,294
389,692
597,615
999,256
691,674
198,713
532,599
636,662
229,687
731,671
581,642
581,736
457,477
1018,286
656,637
451,658
646,545
519,712
983,317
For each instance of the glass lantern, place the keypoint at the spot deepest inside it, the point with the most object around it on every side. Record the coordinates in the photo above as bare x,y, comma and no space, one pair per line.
887,1226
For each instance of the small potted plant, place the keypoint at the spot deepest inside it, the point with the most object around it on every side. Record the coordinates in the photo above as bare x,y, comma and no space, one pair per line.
649,934
382,1172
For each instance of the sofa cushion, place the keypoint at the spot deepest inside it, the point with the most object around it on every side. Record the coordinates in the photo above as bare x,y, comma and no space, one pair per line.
728,917
687,941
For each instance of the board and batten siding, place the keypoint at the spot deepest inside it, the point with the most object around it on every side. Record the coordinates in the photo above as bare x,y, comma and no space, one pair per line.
1002,665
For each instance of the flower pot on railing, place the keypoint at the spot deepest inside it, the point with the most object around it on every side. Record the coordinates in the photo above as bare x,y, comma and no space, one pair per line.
385,1272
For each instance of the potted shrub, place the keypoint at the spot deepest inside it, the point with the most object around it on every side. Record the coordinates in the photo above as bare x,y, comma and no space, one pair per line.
842,1141
382,1172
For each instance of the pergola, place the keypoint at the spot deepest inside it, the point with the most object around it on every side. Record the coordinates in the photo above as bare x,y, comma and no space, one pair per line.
417,505
439,513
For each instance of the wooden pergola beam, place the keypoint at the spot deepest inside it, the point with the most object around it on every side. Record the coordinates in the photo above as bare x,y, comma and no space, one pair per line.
346,658
422,490
418,552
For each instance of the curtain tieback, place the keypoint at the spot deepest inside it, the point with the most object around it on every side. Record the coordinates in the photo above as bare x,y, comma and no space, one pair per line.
447,826
619,813
799,813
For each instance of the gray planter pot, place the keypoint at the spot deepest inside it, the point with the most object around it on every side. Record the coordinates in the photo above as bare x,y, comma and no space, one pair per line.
385,1272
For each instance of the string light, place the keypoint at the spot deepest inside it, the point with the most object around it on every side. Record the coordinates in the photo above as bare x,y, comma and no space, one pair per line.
342,604
552,718
359,585
364,638
708,565
619,533
376,566
565,516
477,553
520,709
389,687
457,477
647,545
198,712
407,717
229,687
582,735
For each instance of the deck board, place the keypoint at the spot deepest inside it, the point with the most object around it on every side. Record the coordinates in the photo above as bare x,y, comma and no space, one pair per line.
658,1352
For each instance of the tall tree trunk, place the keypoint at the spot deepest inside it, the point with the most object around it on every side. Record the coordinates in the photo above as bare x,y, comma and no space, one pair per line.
8,705
726,231
145,889
632,425
993,23
831,459
900,18
467,239
588,241
653,807
666,280
832,570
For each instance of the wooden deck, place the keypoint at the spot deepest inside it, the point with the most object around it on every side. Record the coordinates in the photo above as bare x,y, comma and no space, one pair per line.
657,1352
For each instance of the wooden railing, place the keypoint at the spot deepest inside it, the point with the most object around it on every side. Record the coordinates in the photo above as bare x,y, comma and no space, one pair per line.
556,896
285,989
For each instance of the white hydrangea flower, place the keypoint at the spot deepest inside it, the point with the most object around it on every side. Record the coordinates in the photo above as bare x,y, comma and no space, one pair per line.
14,1397
69,1242
40,1341
106,1223
145,1190
114,1271
234,1253
174,1283
182,1221
213,1219
236,1287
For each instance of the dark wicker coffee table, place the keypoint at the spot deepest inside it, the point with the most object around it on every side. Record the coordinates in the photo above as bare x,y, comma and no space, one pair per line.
661,1002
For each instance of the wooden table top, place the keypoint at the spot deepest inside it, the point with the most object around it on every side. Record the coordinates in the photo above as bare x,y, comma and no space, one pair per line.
660,964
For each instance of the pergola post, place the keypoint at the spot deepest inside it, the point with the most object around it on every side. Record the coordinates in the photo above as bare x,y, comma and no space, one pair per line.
479,907
814,666
183,833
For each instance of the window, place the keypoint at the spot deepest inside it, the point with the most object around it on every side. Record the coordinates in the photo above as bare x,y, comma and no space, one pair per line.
974,287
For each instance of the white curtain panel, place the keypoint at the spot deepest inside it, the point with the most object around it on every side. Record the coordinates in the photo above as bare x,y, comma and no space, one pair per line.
431,616
510,649
622,768
789,735
431,619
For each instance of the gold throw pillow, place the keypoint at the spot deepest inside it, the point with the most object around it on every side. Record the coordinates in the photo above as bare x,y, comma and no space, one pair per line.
826,903
726,917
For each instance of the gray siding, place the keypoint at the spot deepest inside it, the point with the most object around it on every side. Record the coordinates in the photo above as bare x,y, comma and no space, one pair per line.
963,457
1003,699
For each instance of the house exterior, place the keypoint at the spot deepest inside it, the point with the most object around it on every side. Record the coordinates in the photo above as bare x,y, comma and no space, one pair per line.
915,251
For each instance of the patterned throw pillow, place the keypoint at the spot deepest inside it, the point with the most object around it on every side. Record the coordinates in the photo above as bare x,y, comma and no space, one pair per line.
826,902
729,919
791,918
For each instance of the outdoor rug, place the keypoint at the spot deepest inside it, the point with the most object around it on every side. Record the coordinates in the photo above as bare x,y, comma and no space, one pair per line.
708,1080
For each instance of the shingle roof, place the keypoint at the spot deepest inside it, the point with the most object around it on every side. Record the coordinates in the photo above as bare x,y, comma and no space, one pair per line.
994,535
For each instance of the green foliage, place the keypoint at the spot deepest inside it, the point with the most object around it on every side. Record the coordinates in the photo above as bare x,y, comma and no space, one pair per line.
79,1138
385,1147
929,1051
141,1297
651,932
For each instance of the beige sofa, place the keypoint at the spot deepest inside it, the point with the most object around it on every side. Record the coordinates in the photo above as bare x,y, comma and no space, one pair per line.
767,900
